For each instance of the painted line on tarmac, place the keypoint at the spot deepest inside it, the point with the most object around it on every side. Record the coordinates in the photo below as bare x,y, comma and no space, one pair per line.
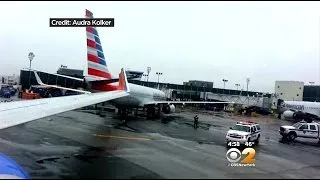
122,137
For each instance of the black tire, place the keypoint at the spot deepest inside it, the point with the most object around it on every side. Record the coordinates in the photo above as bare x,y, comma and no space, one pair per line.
249,140
292,136
257,140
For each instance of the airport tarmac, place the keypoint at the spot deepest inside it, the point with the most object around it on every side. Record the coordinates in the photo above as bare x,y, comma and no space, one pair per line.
76,144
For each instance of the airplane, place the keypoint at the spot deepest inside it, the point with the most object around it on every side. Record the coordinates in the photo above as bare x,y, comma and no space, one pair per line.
99,79
298,110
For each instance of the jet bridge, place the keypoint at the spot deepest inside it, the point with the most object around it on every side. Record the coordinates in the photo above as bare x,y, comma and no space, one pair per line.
263,102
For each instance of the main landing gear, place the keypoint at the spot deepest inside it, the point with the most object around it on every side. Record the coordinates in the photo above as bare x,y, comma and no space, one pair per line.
153,111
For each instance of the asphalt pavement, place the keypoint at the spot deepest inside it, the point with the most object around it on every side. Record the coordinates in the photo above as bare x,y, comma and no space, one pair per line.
79,145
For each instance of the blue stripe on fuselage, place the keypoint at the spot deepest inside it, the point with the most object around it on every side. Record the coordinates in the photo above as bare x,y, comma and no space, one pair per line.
102,62
100,55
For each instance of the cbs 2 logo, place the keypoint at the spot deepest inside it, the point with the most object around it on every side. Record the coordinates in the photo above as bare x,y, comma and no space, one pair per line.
234,155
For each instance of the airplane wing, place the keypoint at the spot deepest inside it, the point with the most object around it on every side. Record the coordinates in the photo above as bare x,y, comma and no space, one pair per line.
18,112
187,102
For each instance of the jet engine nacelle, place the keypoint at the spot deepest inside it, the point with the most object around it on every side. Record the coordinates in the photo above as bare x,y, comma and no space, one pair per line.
288,114
297,115
170,108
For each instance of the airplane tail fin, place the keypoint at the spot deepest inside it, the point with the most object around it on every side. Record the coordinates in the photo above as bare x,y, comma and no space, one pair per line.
123,82
97,66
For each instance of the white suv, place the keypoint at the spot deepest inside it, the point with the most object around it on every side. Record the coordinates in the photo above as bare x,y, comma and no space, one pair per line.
244,132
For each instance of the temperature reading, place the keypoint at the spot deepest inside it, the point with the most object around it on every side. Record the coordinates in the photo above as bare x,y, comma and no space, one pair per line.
249,144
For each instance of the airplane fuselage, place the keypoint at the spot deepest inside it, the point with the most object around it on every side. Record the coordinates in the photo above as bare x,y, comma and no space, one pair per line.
303,106
139,95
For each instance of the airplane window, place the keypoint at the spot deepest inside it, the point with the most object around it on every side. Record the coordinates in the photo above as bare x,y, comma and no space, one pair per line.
278,86
297,94
280,93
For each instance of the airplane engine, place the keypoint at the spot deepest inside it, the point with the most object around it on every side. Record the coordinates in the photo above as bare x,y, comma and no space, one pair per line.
169,109
288,114
297,115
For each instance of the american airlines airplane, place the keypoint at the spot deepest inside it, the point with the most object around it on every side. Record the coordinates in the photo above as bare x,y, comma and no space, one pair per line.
299,110
100,79
140,96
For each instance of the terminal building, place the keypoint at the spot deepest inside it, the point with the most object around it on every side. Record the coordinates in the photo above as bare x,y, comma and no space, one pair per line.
199,83
63,70
10,80
297,91
193,90
289,90
311,93
186,91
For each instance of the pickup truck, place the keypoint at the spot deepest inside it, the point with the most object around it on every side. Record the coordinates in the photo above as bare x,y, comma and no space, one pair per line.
301,129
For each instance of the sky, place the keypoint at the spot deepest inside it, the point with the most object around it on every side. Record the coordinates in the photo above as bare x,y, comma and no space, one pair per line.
263,41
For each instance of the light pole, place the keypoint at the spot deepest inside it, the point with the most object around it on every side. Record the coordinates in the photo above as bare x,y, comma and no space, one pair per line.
248,81
158,73
148,72
30,56
224,84
204,93
237,86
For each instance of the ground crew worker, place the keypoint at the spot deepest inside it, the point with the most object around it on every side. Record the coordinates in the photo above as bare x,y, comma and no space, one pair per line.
195,122
20,93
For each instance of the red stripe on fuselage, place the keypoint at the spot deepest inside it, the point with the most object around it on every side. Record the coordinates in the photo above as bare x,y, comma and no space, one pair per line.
91,44
99,73
93,58
89,29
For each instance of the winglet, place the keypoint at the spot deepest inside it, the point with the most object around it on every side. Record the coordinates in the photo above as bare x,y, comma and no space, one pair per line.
123,82
38,78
